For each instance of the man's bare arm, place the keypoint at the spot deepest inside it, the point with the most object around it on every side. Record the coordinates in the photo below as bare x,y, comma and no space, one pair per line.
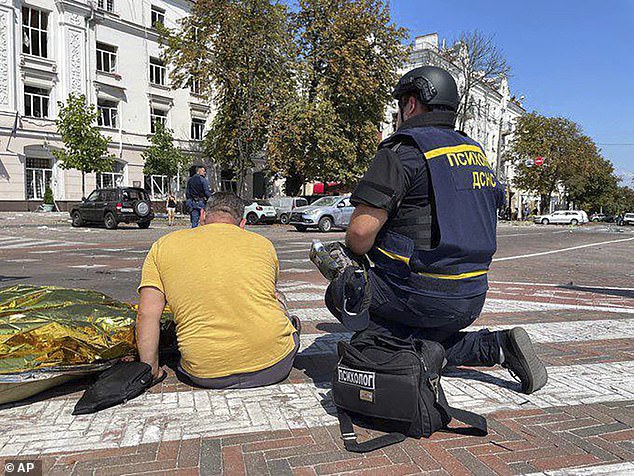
364,226
148,326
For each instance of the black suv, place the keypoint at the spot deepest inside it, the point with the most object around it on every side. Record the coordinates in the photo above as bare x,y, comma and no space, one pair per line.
112,206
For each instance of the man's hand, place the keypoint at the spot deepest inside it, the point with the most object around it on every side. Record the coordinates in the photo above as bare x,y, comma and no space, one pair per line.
148,327
364,226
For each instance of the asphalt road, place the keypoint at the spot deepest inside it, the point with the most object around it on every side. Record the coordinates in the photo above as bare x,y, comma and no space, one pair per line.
45,249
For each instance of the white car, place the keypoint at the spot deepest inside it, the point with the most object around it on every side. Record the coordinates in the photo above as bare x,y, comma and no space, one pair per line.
285,205
259,211
568,217
628,219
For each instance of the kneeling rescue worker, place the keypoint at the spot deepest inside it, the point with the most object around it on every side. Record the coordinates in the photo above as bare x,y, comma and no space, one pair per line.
426,217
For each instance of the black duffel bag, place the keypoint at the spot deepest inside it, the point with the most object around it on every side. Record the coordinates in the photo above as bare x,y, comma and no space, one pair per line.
393,385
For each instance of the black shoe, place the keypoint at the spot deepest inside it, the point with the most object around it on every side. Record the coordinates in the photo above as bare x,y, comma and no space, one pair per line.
521,360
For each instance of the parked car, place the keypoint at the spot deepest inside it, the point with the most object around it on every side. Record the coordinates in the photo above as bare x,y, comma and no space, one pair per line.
602,217
628,219
112,206
259,211
285,205
326,213
569,217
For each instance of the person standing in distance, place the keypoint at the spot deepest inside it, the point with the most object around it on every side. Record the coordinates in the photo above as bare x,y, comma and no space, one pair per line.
426,216
197,193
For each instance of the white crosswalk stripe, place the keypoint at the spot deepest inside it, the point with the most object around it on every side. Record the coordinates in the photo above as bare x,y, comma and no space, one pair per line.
48,426
16,242
543,332
616,469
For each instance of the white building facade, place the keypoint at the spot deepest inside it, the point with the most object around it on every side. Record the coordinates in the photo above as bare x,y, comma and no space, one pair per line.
493,115
107,50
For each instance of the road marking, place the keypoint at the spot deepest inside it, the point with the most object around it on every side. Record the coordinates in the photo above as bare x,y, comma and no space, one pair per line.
286,251
47,426
297,270
127,270
89,266
16,242
563,286
501,235
543,253
23,260
305,296
542,332
491,306
617,469
295,260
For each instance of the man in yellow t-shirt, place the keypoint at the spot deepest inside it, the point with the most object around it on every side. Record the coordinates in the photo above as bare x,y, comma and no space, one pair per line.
219,281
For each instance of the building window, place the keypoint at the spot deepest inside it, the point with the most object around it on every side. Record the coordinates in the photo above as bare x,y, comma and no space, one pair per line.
107,5
111,179
108,112
158,185
38,175
35,102
157,16
198,127
106,58
228,181
157,115
157,71
194,86
34,36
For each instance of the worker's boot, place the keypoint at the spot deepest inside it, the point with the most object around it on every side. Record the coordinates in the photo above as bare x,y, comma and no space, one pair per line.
520,359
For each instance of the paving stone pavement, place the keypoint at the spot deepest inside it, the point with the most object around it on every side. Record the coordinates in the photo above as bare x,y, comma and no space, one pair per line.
581,423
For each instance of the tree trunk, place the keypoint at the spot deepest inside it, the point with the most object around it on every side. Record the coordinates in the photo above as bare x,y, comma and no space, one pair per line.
83,184
293,184
545,203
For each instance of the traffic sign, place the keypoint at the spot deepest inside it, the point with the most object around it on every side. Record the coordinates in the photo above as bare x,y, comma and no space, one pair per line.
539,161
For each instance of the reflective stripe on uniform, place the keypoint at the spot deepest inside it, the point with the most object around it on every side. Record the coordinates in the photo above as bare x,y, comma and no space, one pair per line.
394,256
452,150
471,274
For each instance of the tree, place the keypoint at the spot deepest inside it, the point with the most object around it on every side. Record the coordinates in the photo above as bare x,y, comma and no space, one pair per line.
345,71
162,157
478,61
85,149
241,54
572,161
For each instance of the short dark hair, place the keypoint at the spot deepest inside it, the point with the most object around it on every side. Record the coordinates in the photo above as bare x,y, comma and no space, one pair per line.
426,107
225,202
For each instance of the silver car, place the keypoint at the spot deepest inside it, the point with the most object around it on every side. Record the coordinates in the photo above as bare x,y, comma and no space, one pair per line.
326,213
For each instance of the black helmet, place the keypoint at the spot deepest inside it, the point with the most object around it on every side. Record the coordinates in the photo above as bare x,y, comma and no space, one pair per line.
436,86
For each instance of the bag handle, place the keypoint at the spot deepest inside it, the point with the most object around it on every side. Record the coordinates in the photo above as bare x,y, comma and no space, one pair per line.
350,437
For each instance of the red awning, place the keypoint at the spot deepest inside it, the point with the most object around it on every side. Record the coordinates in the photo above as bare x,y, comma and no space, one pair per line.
318,188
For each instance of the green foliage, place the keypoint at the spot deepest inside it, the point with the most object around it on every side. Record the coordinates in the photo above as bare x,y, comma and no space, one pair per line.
348,55
162,157
572,161
85,149
242,54
48,195
621,201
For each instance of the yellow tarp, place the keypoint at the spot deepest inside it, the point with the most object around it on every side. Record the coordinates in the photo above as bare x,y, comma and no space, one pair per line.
45,327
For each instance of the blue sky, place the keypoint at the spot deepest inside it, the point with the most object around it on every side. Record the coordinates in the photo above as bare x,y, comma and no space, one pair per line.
569,58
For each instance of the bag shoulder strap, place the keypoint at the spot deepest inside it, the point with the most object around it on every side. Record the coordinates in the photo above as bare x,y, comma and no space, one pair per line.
350,437
477,423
